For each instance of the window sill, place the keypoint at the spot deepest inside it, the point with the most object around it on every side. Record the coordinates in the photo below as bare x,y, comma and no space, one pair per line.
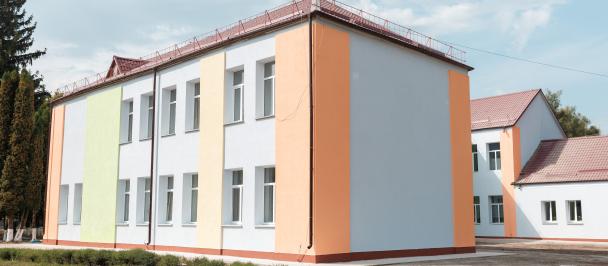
497,223
142,224
232,225
575,223
76,223
549,223
167,135
165,225
234,123
122,224
146,139
264,117
192,131
125,143
189,225
264,226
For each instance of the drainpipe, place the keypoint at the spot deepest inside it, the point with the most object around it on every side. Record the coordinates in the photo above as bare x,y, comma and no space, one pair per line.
152,159
310,189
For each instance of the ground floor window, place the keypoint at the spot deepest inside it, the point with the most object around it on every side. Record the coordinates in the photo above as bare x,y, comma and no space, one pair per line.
575,211
549,211
476,210
496,210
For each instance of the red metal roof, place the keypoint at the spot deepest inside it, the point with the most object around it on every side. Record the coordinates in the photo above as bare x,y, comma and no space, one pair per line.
121,65
500,111
291,12
580,159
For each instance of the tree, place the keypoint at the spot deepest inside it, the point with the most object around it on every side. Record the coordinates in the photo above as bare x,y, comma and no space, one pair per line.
8,84
17,165
16,30
574,123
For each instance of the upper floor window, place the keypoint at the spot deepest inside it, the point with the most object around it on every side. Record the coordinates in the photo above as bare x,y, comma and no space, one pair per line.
269,89
147,116
549,212
172,110
496,210
237,95
126,134
575,211
475,158
197,107
494,155
476,210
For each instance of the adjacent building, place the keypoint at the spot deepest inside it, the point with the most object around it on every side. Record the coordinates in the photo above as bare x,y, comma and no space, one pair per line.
530,181
294,135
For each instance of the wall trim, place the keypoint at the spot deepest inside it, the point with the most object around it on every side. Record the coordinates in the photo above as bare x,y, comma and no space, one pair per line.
338,257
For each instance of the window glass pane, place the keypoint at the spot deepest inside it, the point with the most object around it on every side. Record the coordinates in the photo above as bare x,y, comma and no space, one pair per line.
498,166
150,123
126,208
151,102
169,216
194,180
237,177
269,69
579,214
170,182
269,175
474,147
197,89
476,200
237,104
236,202
494,214
193,205
268,204
147,206
494,146
501,213
492,161
196,115
172,118
547,208
238,78
172,95
475,163
127,185
268,97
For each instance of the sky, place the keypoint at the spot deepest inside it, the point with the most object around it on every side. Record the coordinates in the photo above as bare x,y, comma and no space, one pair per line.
82,36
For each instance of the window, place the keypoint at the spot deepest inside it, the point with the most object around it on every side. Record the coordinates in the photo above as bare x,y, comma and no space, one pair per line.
124,187
147,200
269,89
237,92
549,212
496,210
64,194
269,195
197,106
194,198
147,117
237,195
126,132
77,203
494,150
575,211
476,210
169,200
475,158
190,198
172,106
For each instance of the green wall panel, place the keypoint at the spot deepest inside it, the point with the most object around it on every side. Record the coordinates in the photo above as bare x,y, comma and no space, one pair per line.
98,223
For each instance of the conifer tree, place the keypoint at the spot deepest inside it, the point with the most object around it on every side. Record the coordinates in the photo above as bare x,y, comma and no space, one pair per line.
16,36
17,165
8,86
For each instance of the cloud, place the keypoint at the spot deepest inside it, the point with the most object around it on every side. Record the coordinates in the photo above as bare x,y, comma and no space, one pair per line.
518,19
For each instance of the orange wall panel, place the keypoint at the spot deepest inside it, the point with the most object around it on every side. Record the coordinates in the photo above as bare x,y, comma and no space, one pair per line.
54,173
462,172
292,116
331,126
510,150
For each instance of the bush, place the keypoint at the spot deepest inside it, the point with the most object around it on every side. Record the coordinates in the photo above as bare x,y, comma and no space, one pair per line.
103,257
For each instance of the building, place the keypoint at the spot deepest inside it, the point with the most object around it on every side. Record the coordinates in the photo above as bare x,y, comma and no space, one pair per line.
294,135
530,181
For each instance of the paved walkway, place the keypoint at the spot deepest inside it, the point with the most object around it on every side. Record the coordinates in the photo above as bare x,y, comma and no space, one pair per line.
555,245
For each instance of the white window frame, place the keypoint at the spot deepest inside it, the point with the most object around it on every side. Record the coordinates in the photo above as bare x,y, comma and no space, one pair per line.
272,79
270,185
475,158
578,211
147,196
241,88
189,200
147,111
169,199
497,157
64,196
233,187
500,209
551,217
477,210
124,201
193,190
172,115
196,114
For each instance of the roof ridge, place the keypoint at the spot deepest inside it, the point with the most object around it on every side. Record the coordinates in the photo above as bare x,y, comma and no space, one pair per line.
576,138
508,94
